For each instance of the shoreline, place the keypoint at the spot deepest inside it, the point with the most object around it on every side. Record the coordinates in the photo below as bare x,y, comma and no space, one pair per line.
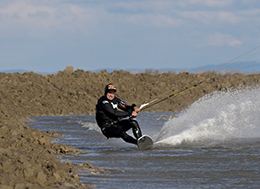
29,159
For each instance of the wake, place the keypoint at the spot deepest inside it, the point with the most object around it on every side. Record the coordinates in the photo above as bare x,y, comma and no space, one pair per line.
220,118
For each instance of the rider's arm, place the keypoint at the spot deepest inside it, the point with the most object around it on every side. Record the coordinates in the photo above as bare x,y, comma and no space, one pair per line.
107,107
123,106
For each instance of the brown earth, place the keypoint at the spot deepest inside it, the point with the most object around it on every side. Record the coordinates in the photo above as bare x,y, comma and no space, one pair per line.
27,156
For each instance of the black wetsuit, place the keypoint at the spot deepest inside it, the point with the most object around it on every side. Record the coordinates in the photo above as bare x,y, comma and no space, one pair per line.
109,119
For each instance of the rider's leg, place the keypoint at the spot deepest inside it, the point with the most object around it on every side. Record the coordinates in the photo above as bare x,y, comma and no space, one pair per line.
117,131
131,123
136,129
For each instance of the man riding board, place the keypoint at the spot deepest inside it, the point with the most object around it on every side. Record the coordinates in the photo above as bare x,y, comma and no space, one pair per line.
110,119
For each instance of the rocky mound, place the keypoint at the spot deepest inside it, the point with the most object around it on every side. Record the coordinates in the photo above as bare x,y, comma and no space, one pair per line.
27,157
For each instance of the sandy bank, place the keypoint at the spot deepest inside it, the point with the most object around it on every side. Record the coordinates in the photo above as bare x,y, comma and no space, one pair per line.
27,156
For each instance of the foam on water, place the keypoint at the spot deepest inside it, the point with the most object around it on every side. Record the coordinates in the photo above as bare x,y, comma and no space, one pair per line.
90,126
221,116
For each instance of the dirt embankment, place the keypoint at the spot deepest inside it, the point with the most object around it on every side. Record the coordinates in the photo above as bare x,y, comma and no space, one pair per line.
27,156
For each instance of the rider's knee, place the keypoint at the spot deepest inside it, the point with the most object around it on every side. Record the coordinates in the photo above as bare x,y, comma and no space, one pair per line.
134,123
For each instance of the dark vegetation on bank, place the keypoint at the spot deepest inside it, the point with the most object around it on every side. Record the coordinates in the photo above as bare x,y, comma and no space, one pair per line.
28,158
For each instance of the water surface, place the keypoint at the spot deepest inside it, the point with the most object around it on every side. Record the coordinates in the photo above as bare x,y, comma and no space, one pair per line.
214,144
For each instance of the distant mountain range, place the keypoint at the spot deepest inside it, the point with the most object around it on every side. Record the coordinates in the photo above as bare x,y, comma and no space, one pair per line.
14,71
236,67
22,71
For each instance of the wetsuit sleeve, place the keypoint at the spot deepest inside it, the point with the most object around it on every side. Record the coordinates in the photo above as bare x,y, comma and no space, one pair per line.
123,106
109,109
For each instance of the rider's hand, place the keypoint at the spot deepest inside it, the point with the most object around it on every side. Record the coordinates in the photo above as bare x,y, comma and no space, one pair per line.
137,109
134,114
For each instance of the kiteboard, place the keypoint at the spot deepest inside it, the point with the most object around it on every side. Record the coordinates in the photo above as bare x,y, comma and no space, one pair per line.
144,142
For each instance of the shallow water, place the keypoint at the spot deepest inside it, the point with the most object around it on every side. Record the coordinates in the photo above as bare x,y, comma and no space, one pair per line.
214,144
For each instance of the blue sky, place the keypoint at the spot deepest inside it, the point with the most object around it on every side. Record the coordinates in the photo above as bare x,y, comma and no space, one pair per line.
48,35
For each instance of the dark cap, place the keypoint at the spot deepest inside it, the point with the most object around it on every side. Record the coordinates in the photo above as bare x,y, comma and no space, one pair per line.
110,88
